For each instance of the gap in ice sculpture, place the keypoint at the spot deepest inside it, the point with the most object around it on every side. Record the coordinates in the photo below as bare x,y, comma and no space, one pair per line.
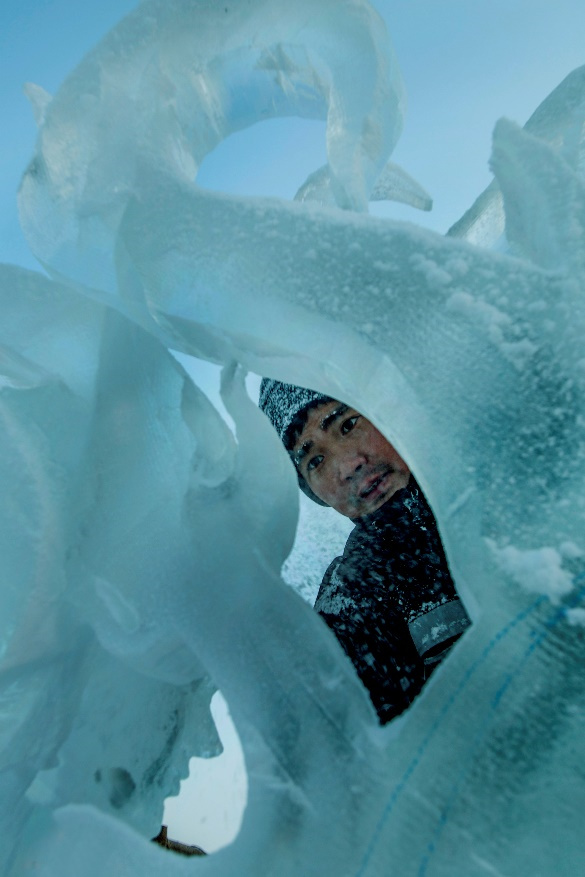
209,808
277,156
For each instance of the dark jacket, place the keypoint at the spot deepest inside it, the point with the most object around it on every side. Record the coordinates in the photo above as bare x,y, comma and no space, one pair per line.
391,601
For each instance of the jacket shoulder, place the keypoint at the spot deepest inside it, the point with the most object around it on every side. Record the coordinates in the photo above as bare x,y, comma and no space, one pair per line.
332,599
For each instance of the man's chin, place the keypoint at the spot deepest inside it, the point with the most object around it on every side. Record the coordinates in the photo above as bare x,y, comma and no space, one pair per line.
385,491
364,508
382,490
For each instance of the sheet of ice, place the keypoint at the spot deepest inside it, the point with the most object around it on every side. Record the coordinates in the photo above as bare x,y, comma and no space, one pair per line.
173,80
141,549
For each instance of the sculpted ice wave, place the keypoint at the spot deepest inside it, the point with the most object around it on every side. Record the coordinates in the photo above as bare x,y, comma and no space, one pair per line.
174,79
142,548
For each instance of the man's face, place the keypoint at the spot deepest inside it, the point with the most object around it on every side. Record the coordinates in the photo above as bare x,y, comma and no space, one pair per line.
346,462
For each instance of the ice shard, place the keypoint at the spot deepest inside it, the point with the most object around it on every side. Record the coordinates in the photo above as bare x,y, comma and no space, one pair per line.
141,550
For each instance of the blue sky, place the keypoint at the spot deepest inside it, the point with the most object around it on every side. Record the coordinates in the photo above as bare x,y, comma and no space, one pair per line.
465,63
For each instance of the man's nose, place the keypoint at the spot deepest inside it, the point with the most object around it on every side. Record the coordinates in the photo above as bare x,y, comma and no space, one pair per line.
350,464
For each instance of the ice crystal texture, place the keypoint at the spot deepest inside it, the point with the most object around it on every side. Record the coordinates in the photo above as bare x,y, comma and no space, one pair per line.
141,544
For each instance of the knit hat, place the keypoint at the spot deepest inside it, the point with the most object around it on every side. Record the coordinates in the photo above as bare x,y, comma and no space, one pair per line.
284,405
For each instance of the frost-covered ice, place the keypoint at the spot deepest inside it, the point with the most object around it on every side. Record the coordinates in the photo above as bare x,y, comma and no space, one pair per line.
141,549
539,570
173,80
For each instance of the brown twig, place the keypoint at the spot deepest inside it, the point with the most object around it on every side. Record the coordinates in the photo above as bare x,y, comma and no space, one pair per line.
185,849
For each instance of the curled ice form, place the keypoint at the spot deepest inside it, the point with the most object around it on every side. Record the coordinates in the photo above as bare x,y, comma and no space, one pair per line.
88,646
175,78
393,184
142,545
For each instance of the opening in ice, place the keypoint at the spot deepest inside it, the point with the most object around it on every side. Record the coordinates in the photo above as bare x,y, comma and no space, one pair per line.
209,808
389,598
270,158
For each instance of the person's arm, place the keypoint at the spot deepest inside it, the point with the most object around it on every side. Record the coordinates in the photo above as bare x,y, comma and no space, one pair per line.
377,642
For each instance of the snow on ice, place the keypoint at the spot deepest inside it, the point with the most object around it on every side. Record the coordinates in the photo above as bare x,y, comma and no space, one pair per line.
141,552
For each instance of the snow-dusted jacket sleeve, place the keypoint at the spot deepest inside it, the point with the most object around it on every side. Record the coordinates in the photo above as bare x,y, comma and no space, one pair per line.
391,601
375,639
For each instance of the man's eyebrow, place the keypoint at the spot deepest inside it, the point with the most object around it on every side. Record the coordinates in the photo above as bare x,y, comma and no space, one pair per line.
298,456
332,416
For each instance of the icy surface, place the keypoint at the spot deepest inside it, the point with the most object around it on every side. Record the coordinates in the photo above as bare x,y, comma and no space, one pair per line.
142,544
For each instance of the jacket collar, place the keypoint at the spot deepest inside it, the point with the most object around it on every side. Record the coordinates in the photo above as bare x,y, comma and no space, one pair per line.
408,496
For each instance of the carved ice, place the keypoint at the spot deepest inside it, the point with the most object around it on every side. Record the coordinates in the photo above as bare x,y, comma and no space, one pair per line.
141,550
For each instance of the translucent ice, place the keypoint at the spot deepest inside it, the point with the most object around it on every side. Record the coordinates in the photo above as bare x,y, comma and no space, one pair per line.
142,545
174,79
559,122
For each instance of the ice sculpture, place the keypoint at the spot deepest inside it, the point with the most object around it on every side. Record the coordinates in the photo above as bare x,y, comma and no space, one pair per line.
142,545
174,79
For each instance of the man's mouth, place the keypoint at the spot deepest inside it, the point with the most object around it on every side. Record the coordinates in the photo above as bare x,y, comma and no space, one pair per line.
373,483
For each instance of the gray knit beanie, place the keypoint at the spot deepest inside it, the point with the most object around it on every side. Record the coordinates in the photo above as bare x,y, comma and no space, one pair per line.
284,405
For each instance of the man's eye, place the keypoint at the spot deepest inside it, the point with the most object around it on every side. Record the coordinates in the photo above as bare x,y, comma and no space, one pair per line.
349,424
314,462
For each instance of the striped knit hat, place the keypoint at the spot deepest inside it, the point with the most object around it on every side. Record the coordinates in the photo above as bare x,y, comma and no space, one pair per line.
284,405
